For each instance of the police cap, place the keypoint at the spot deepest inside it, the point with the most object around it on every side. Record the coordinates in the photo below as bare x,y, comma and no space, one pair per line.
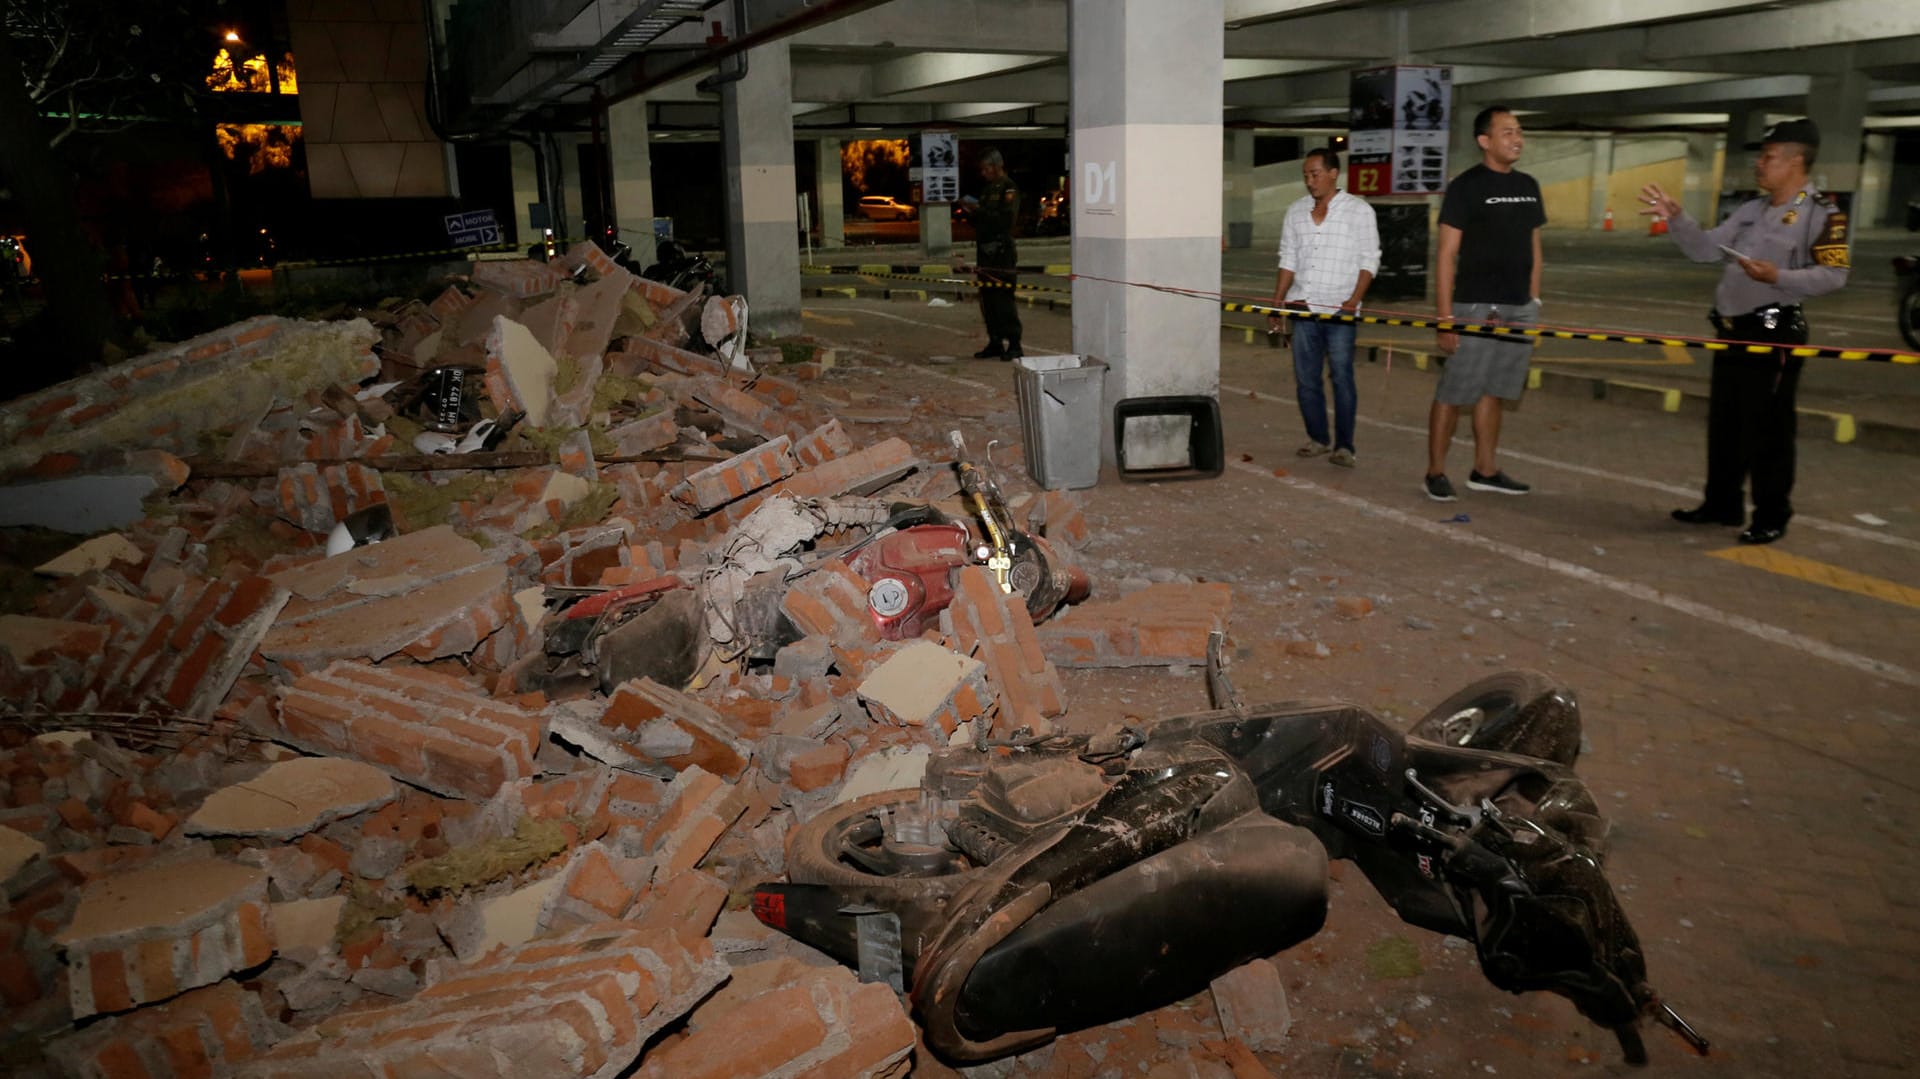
1801,131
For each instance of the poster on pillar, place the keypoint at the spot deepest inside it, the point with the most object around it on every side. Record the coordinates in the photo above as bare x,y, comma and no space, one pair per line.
1398,120
936,166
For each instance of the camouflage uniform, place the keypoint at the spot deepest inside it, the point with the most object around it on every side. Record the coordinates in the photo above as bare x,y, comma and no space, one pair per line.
995,261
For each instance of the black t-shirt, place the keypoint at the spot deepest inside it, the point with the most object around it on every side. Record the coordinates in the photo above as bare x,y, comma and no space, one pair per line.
1496,213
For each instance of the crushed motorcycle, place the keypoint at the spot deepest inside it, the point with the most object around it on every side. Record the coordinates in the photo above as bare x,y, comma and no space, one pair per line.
671,627
1038,885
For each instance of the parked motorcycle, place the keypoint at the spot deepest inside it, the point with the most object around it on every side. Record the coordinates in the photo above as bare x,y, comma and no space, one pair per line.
1906,279
685,270
1037,886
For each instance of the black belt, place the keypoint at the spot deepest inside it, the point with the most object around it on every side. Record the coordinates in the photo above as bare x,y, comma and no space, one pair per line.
1775,323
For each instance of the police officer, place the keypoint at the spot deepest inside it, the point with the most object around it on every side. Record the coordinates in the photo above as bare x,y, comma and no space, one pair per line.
1779,249
993,215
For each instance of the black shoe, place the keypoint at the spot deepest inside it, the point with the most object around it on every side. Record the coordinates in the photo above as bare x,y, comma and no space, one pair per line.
1013,353
993,351
1758,534
1499,483
1701,515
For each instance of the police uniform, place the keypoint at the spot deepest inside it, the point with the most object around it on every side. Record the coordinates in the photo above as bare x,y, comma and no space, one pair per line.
995,261
1750,418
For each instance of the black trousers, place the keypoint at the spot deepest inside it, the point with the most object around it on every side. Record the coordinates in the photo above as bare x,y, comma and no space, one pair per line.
1750,429
997,306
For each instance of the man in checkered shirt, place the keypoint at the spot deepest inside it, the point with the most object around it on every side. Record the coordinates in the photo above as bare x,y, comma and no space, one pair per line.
1329,252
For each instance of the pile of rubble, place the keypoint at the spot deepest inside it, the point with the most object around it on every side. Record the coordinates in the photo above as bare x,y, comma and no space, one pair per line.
480,792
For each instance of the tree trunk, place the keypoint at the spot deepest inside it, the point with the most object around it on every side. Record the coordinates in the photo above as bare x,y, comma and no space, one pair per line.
74,324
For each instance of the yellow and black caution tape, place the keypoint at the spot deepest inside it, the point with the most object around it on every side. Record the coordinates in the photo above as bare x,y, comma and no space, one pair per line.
1498,330
1471,329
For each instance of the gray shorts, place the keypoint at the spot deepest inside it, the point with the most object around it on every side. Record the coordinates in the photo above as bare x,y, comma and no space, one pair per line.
1486,366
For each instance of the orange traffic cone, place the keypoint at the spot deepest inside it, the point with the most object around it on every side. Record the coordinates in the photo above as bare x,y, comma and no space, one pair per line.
1606,223
1658,227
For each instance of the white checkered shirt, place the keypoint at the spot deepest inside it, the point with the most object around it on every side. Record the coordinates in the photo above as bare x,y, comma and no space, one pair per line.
1326,259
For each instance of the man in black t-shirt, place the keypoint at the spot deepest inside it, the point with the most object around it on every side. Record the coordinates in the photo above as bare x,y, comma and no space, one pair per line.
1488,272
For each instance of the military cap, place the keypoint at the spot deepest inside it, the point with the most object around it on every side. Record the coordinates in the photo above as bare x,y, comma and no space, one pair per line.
1801,131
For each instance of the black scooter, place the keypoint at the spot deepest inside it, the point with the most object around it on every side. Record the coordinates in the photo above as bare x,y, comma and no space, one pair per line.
1051,884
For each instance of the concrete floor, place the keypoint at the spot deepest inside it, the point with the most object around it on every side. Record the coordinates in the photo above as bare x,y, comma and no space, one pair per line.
1750,716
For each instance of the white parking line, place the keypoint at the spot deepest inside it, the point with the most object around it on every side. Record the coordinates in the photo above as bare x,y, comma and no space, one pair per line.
1799,520
1587,575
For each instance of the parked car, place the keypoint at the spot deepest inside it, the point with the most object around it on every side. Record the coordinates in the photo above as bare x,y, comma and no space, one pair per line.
886,208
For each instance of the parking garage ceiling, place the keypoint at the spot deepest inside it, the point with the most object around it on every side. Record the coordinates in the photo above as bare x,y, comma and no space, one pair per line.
897,65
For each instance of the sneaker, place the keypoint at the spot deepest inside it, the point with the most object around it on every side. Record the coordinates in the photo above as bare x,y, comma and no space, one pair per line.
1313,449
1499,483
1438,488
1343,458
993,351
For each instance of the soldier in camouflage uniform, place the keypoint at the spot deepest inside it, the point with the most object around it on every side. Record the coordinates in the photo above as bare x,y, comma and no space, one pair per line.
993,215
1783,247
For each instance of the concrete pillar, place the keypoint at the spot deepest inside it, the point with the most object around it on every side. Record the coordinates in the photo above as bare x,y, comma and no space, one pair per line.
830,207
1744,125
632,159
763,245
1702,194
1870,203
1146,140
936,229
1463,149
1600,179
526,189
1238,188
1838,104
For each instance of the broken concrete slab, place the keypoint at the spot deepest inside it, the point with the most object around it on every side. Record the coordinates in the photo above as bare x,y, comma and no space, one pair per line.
146,934
520,373
897,768
478,927
1252,1005
98,553
292,798
429,594
925,685
303,929
77,504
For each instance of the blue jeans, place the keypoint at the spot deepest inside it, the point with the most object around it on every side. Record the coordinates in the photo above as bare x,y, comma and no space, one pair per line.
1318,345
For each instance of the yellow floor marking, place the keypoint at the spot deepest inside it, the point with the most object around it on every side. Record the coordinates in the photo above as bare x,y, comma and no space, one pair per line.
1669,397
1820,573
1843,426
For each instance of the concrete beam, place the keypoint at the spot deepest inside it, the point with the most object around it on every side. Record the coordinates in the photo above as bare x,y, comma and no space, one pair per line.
925,70
1592,81
1466,23
1676,98
1832,22
1020,26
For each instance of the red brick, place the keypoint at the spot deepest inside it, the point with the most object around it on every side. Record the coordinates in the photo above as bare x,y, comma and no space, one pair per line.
784,1025
107,974
816,768
153,962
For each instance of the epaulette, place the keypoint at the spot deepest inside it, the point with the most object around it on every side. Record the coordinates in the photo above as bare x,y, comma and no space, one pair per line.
1825,200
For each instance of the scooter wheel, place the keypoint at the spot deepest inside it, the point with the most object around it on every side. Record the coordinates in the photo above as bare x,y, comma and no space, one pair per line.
1910,315
844,847
1517,711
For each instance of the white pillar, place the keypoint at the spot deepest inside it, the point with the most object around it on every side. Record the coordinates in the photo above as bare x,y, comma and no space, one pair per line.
830,208
1600,178
1837,103
632,160
1146,141
526,189
1238,188
936,229
1702,195
763,242
1870,208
